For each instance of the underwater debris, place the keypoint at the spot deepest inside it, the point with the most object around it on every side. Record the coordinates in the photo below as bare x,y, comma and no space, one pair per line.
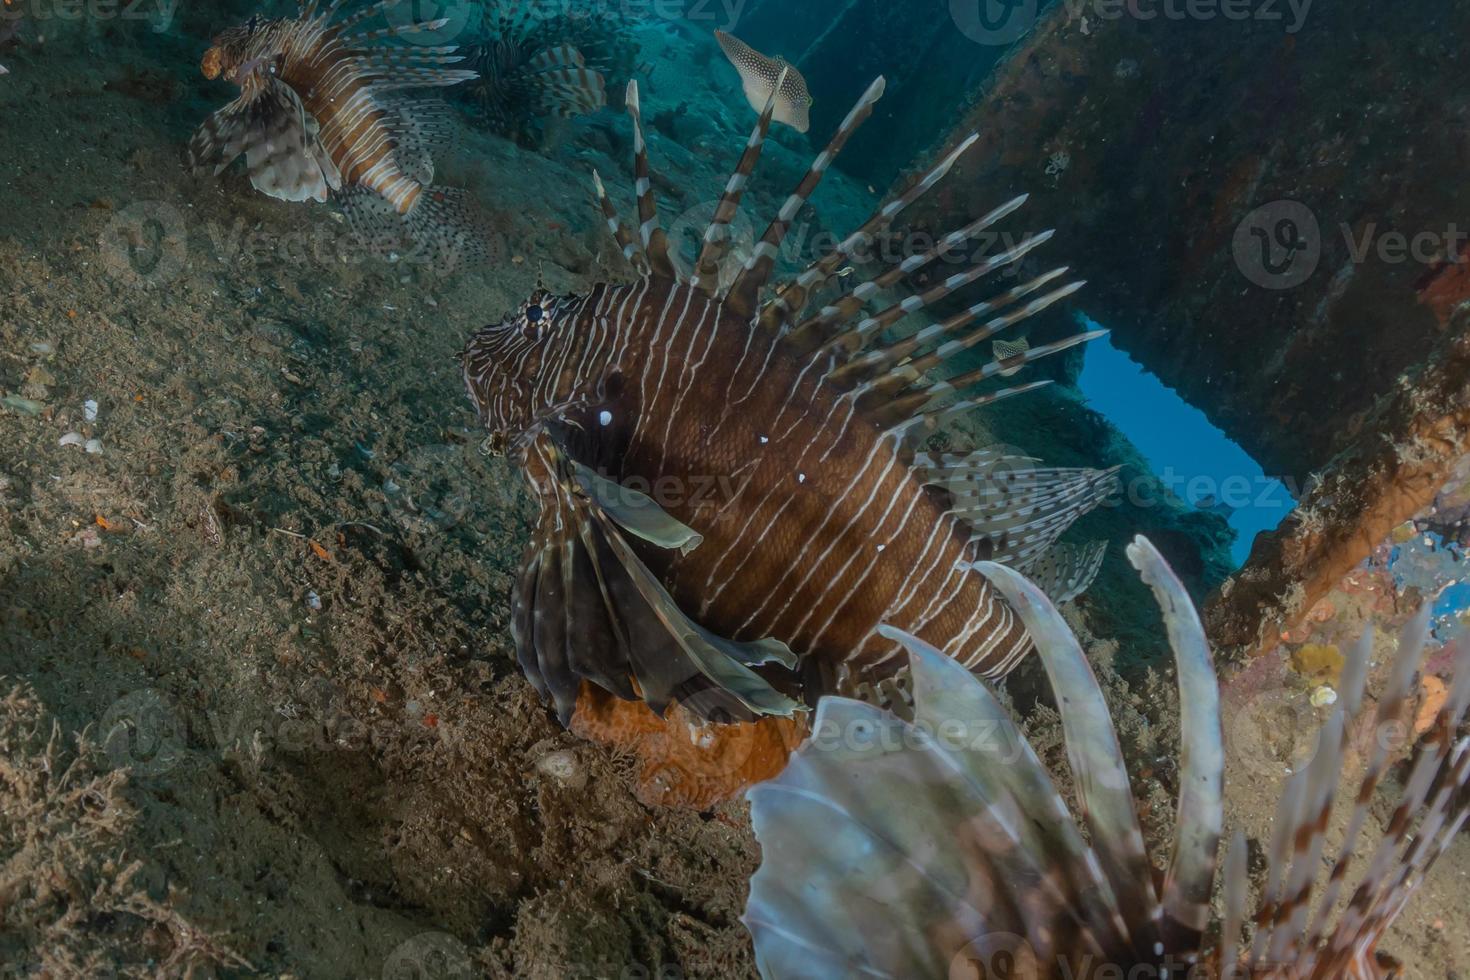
321,113
919,849
707,459
763,78
532,67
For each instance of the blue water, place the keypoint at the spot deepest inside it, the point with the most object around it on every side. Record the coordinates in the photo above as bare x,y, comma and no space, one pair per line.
1192,457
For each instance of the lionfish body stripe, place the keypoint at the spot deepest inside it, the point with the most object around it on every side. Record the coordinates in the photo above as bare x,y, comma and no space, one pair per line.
719,503
318,110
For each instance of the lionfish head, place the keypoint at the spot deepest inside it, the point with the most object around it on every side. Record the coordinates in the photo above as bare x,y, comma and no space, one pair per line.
503,364
241,52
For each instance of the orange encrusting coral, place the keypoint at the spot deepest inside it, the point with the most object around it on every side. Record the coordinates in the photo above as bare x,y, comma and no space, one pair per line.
683,761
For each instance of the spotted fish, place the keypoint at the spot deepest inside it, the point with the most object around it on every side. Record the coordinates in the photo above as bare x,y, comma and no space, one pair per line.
904,854
761,76
321,113
732,497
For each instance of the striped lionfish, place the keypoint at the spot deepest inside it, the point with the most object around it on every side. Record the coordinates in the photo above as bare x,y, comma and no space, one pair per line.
732,496
320,113
940,847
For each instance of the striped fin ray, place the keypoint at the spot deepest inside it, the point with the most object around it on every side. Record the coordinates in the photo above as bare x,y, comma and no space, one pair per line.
744,292
791,297
1094,757
824,328
903,400
717,236
625,241
1199,822
571,91
395,30
655,242
873,362
557,56
1015,521
361,14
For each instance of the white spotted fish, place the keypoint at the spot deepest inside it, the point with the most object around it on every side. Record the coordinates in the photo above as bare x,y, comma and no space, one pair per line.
1004,350
760,77
940,847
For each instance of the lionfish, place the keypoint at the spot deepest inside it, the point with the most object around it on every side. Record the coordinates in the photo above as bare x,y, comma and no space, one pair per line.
528,72
941,847
320,112
731,492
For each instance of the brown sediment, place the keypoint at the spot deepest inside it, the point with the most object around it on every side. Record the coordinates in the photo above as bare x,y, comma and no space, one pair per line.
1406,450
683,761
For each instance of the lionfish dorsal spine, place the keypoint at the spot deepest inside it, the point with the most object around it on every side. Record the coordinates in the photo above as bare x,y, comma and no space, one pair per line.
717,236
744,293
655,241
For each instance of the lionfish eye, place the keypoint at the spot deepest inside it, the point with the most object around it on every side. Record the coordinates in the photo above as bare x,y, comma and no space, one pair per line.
534,313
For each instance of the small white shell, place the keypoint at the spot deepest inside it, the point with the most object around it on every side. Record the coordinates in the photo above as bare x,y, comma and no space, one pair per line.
93,446
71,439
1323,696
562,767
89,409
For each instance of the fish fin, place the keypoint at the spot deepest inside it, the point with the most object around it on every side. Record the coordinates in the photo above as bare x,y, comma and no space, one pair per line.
1015,510
655,242
571,91
221,138
445,228
588,607
1065,571
555,57
743,295
1004,350
717,236
791,297
764,79
625,241
283,153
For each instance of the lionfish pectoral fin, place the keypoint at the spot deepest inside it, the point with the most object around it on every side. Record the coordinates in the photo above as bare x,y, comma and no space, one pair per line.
220,140
282,152
588,607
636,512
1065,571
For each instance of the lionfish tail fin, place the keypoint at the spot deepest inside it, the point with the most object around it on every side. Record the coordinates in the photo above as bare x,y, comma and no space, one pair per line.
744,293
655,242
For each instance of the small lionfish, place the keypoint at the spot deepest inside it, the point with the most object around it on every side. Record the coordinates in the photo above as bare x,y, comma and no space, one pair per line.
526,73
761,77
729,486
940,847
319,112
